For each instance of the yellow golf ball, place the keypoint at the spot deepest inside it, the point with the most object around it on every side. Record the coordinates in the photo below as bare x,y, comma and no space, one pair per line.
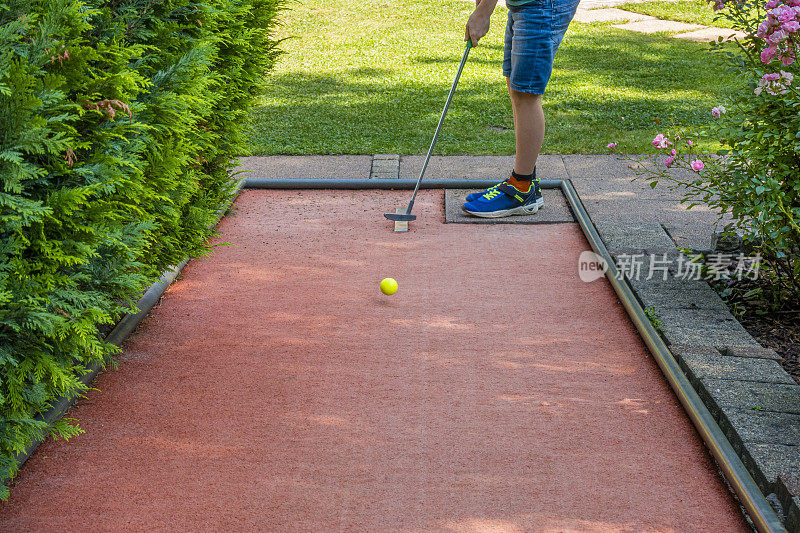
388,286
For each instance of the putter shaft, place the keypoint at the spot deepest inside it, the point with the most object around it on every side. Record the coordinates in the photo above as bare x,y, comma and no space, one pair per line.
438,129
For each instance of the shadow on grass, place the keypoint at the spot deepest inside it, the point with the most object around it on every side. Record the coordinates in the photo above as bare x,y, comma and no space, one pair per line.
596,82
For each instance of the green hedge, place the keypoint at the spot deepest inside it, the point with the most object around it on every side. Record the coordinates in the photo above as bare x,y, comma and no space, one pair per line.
119,122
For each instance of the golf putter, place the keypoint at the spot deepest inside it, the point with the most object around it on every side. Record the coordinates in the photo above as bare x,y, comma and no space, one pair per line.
405,217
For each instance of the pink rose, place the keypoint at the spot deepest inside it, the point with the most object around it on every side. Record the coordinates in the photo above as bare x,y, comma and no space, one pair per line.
673,152
689,143
660,141
784,13
698,165
769,53
669,160
791,27
786,60
772,4
777,37
611,145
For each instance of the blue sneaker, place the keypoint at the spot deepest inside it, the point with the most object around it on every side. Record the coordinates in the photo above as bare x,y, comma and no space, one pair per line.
504,200
471,197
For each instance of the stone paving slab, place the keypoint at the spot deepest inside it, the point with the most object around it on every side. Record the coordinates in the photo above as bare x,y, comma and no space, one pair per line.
687,228
307,166
709,34
385,166
554,211
672,283
599,4
706,362
771,461
702,328
695,232
788,489
744,395
624,236
761,427
477,167
658,25
752,350
597,167
608,14
619,189
705,298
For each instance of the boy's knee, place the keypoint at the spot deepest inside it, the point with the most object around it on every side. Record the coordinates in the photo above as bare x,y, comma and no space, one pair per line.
519,96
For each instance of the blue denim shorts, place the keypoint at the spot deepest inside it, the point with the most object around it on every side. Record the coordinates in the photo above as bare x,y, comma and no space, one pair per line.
533,34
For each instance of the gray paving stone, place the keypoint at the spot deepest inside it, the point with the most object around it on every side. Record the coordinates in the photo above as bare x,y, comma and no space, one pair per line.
752,350
703,298
706,362
704,35
385,166
672,283
598,4
703,328
554,211
761,427
793,516
790,479
657,25
768,462
307,166
606,187
607,14
695,233
620,237
691,229
601,193
581,167
477,167
788,490
744,395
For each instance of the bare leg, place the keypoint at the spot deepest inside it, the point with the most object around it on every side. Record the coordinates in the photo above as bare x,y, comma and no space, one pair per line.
528,129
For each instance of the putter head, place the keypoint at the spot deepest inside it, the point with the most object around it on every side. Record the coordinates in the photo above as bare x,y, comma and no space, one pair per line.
400,217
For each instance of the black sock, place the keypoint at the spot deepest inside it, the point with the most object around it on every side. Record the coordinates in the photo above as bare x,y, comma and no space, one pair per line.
524,177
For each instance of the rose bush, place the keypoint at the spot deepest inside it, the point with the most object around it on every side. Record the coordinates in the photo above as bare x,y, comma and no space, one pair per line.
755,177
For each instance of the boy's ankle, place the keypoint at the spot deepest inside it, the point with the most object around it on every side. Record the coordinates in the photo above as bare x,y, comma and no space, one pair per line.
522,182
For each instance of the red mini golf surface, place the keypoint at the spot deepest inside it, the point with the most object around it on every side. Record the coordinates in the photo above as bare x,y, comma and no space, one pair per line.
275,388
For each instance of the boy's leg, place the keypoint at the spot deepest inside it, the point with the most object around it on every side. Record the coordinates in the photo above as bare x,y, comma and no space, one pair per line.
528,129
533,33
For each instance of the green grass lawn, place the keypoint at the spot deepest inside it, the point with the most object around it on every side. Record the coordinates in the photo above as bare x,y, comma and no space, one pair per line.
693,11
371,76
